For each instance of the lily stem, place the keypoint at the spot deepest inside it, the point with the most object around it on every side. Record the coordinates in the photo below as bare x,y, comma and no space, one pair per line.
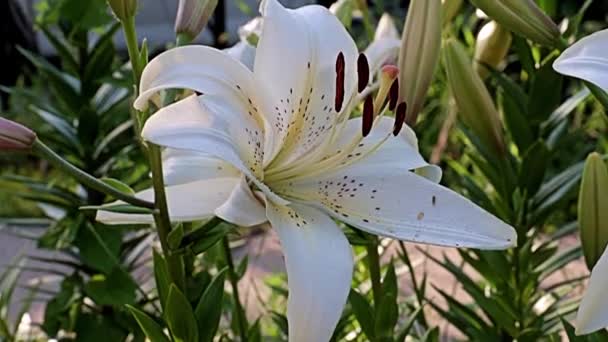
45,152
162,220
373,264
239,313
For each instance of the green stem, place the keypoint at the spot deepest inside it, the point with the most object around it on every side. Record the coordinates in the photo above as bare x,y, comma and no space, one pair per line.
162,219
45,152
599,94
239,313
128,27
408,263
373,264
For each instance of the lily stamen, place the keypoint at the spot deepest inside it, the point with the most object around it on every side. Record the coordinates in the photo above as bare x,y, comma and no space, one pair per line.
362,72
368,116
399,117
339,100
393,95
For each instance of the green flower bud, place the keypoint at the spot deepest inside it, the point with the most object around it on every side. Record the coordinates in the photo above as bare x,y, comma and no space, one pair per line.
419,54
593,209
524,18
192,16
475,105
123,9
491,48
450,8
15,137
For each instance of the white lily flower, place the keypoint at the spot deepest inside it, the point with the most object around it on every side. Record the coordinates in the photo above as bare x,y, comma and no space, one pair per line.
275,145
586,59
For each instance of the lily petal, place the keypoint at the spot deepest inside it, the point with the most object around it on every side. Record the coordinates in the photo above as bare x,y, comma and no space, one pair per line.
404,206
209,125
586,59
296,60
593,311
211,72
242,207
187,202
183,166
319,269
242,52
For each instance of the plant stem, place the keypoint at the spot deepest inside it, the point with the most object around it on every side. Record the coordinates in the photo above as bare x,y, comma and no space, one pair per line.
128,27
161,218
373,264
415,286
45,152
239,313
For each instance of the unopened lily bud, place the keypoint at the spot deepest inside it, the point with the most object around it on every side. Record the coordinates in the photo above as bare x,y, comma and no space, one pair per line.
193,15
491,48
15,137
419,54
123,9
450,9
475,105
593,209
343,10
386,28
523,17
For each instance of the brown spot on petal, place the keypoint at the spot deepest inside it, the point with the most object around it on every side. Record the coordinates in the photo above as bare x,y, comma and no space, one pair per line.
420,216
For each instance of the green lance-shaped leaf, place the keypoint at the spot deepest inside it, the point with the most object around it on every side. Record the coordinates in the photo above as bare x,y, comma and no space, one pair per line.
593,209
180,317
152,330
209,308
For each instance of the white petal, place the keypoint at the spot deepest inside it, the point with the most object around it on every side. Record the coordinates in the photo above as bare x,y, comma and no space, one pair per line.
243,52
381,52
593,311
398,153
296,60
184,166
209,125
210,72
187,202
242,207
404,206
586,59
386,28
319,270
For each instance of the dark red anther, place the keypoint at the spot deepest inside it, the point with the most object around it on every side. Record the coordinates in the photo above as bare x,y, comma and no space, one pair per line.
393,95
339,82
399,118
362,72
368,115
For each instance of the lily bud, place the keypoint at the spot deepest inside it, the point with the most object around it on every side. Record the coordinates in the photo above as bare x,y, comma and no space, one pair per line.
593,209
15,137
475,105
193,15
523,17
343,10
450,8
491,48
123,9
419,54
386,28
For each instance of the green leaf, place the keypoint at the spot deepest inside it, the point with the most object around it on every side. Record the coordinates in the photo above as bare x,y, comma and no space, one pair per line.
62,233
363,312
180,317
152,330
161,277
118,185
99,246
544,99
241,268
98,328
208,238
117,288
174,239
387,313
119,208
208,311
533,167
599,336
431,335
593,209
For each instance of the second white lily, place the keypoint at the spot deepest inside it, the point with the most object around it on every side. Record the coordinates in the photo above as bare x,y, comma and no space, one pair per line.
276,145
